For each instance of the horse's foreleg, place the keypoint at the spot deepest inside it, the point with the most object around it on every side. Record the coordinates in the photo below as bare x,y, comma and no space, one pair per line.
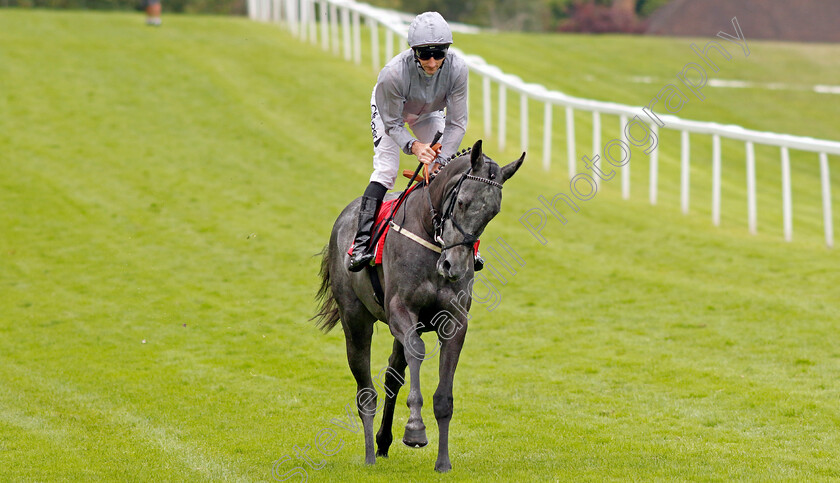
443,403
415,430
403,324
394,379
358,340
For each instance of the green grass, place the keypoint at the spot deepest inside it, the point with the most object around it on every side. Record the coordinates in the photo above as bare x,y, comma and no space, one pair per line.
171,186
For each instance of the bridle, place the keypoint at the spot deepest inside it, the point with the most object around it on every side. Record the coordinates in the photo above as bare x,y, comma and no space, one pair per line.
438,219
448,207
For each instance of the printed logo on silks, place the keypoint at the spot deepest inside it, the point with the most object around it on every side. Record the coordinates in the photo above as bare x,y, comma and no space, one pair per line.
374,112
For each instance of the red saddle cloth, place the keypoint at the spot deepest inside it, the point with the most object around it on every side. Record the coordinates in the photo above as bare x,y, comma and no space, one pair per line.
385,210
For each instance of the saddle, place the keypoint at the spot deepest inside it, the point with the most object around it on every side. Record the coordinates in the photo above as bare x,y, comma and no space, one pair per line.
381,226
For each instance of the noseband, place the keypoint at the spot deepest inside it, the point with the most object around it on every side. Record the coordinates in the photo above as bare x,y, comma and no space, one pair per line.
449,201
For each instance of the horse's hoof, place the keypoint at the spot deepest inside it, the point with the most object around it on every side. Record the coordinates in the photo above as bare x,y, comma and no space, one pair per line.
443,468
415,444
382,454
415,438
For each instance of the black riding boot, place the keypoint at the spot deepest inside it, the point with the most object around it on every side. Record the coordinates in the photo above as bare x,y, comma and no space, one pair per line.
362,252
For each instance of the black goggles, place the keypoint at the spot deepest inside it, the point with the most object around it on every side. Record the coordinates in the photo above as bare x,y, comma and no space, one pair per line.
426,53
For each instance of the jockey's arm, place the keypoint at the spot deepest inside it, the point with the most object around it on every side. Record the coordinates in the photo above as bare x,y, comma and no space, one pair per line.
456,111
390,101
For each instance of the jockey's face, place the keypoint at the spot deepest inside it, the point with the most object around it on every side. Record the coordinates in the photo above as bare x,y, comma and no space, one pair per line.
431,57
431,65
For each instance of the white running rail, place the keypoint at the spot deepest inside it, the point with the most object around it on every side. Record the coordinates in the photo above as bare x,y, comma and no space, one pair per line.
304,19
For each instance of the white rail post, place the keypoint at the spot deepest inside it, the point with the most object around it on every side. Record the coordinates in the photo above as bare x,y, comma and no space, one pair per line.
374,43
502,115
716,180
345,34
488,114
335,39
292,16
654,166
303,10
787,201
547,136
325,25
313,26
357,38
684,172
826,198
570,140
625,170
277,11
523,121
314,21
752,215
389,45
596,143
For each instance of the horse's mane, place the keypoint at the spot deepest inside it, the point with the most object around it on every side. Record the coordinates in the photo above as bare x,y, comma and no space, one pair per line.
448,163
463,152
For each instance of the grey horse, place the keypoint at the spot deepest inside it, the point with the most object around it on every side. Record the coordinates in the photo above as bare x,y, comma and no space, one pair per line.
426,277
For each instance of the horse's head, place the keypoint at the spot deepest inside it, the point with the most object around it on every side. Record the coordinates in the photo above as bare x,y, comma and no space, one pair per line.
471,196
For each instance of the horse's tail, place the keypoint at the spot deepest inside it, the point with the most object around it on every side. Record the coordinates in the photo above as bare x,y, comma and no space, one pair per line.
328,311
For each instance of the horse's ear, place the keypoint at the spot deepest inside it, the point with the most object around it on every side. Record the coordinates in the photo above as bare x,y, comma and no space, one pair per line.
511,168
476,157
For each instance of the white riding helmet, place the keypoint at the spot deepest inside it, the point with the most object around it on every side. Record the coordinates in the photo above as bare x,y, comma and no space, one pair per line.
429,28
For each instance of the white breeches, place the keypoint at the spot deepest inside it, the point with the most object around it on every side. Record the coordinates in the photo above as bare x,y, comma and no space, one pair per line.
386,153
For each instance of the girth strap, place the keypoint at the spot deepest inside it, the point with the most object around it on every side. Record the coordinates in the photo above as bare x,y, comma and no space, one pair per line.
378,293
411,236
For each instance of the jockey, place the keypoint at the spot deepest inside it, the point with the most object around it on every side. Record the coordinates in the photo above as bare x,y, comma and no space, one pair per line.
413,88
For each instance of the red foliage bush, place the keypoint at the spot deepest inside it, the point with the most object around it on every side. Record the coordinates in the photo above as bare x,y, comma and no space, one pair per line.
586,16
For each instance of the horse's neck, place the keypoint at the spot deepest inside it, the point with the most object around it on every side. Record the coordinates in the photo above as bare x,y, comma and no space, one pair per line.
416,208
416,213
444,180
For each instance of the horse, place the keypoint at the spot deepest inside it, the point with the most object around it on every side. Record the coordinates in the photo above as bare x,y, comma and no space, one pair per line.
427,264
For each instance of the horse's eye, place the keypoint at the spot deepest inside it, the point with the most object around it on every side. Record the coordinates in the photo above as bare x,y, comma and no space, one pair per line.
460,204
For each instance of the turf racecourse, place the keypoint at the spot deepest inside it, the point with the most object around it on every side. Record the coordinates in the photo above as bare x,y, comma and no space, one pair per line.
163,193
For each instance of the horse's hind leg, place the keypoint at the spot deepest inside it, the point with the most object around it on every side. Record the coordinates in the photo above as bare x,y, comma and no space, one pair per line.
357,334
394,379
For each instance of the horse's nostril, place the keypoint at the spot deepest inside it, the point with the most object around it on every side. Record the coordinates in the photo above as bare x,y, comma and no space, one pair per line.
446,265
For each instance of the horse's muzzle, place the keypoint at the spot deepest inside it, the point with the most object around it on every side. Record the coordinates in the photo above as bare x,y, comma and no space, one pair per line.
451,267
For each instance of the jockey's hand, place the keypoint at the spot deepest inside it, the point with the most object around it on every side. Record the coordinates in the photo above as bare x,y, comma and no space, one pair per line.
424,152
